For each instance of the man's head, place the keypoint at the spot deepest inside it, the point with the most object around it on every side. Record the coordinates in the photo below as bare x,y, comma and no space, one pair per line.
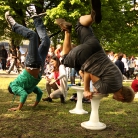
120,56
125,94
10,90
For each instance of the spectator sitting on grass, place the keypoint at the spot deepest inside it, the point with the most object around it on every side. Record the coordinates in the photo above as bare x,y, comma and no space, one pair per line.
56,81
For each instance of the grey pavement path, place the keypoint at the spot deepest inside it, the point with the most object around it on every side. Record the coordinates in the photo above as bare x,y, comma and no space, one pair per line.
3,74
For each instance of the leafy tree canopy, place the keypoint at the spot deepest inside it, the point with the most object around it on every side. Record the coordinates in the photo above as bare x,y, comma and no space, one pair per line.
117,31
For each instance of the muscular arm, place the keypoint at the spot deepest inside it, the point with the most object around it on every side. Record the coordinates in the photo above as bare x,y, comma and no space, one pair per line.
94,78
87,78
87,92
86,81
39,94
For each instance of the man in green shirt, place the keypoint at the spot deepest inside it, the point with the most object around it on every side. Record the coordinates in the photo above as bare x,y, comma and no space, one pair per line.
26,82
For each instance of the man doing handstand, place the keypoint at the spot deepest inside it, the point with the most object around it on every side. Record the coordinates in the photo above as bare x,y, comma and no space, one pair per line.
90,57
26,82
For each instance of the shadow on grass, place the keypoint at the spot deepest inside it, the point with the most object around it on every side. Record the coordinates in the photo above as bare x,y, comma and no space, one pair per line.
53,120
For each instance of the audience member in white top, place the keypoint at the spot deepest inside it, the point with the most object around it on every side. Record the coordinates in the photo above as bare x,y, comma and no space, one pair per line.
124,60
111,55
131,65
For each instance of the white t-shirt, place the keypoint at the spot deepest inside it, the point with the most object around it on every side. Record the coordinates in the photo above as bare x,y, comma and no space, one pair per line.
124,60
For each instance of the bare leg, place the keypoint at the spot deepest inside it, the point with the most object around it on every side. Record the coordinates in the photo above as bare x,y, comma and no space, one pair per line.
95,15
86,20
67,43
66,27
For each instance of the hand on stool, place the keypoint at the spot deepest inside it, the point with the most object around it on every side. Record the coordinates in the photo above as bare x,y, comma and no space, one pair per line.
88,94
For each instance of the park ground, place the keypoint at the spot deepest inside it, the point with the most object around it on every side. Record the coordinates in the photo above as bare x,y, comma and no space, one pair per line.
53,120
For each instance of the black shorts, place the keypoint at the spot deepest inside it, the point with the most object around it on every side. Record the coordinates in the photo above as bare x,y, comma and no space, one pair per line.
79,54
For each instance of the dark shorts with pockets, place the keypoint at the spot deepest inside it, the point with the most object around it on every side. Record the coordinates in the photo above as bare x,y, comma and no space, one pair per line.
89,45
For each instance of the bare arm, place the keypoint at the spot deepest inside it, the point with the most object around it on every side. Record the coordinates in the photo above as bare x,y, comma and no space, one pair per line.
21,105
60,77
16,108
87,92
86,81
35,104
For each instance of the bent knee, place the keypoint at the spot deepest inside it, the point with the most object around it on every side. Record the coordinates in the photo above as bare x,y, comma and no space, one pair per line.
33,34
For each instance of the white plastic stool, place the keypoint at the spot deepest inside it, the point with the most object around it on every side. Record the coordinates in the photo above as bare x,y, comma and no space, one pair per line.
136,95
78,109
93,122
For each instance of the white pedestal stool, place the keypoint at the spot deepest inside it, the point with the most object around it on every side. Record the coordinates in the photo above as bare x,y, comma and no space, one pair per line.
136,95
93,122
78,109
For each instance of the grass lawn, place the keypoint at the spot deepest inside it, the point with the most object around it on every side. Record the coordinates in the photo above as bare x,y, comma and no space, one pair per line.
53,120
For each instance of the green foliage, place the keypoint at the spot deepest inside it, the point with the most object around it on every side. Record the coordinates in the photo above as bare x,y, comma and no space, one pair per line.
116,32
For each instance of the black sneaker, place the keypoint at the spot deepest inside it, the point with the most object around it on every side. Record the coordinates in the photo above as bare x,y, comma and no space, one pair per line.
47,99
65,26
9,19
96,10
62,99
73,97
78,84
85,100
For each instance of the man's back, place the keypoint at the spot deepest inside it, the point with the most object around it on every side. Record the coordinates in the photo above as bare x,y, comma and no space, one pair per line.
24,81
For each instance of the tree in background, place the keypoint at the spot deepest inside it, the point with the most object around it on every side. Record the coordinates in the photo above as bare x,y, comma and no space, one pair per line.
117,31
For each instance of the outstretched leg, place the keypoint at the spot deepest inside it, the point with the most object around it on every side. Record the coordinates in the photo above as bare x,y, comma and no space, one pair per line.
45,41
86,20
95,15
67,43
32,59
66,27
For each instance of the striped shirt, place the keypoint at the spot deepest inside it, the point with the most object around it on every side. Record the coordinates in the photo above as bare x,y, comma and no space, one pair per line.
101,66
